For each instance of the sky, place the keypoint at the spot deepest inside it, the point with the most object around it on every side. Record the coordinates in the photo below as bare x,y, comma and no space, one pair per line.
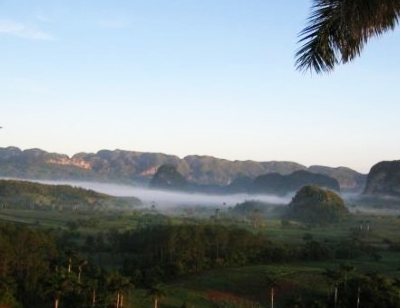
190,77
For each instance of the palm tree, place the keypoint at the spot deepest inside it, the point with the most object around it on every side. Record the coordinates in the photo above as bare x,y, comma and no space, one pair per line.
272,281
82,263
118,284
337,31
345,269
158,293
59,283
334,279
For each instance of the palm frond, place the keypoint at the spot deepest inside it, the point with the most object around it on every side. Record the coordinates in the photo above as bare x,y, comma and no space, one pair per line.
318,51
337,31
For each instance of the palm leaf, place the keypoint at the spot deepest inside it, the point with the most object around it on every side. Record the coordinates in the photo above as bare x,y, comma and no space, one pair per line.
337,31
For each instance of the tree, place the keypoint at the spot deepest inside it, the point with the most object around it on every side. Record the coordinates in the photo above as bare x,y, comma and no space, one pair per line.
272,282
335,278
345,269
158,293
118,284
59,283
337,31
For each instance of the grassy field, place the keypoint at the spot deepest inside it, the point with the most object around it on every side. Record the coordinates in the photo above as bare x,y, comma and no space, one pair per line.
246,284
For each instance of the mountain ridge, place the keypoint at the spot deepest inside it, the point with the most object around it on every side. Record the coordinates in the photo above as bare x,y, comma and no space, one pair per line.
384,179
133,166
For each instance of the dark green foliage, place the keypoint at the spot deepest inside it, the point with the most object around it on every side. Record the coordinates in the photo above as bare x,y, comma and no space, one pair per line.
370,290
24,264
315,205
249,207
251,210
166,252
29,195
37,268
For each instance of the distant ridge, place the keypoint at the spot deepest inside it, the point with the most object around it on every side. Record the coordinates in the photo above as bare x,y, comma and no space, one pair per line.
139,167
168,177
384,179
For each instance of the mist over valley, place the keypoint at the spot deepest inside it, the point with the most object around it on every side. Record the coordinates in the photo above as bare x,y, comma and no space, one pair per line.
166,200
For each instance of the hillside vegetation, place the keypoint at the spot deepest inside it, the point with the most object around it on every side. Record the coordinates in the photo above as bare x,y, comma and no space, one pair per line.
314,205
29,195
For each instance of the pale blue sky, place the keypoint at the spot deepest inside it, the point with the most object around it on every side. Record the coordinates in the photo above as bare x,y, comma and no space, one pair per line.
207,77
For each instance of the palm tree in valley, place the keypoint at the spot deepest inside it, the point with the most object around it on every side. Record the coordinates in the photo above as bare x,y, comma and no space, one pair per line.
118,285
272,282
334,278
82,263
337,31
158,293
59,284
346,269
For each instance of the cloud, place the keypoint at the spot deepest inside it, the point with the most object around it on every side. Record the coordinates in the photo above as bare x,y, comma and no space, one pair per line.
24,31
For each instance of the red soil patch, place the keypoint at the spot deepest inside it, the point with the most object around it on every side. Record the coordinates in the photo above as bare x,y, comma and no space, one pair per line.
226,297
221,296
285,287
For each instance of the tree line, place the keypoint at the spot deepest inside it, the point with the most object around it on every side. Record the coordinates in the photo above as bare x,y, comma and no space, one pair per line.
63,268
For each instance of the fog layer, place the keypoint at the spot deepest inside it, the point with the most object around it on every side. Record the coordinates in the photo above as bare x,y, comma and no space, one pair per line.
167,199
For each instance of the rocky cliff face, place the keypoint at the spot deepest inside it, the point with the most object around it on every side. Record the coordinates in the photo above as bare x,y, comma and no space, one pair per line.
384,179
131,166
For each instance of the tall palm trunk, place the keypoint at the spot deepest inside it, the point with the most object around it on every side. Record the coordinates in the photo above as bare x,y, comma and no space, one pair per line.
118,300
79,274
69,265
94,297
336,296
272,297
